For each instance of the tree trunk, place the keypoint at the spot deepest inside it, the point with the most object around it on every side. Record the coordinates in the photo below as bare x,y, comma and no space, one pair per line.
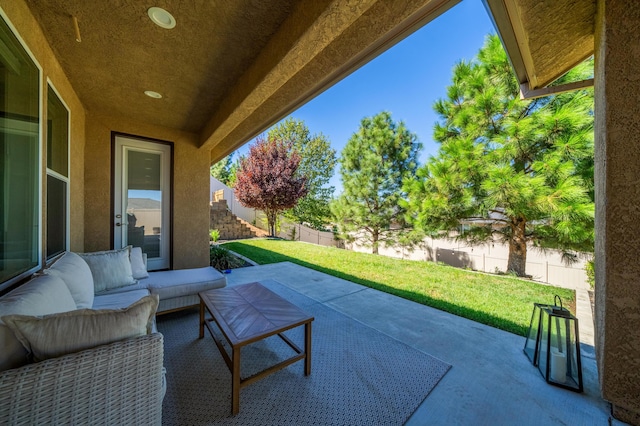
271,222
375,235
518,248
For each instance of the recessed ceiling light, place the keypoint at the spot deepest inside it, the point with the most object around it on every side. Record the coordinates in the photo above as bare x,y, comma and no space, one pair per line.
152,94
161,17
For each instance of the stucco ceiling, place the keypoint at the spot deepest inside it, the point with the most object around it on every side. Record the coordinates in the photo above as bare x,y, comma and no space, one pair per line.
229,68
544,38
122,53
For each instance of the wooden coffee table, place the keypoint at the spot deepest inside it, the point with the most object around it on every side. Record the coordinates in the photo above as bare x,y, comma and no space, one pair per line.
246,314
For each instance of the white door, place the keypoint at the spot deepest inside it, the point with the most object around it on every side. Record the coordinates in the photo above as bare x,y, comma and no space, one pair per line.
142,199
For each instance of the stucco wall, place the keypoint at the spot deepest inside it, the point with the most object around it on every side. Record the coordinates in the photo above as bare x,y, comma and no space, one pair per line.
617,165
28,29
190,187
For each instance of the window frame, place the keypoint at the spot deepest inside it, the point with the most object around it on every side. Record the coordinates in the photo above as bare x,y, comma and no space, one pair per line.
4,285
53,173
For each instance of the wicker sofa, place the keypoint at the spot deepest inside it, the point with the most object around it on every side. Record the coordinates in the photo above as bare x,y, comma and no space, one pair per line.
116,378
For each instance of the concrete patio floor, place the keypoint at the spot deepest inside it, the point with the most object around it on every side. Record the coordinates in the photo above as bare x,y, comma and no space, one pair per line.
491,381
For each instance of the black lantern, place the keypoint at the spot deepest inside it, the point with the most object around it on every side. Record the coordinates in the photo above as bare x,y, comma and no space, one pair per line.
554,346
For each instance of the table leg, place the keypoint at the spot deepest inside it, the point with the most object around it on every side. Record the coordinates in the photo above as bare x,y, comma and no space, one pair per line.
235,382
307,348
201,335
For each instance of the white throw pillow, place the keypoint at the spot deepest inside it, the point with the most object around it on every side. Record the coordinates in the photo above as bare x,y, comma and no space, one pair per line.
138,268
56,335
110,269
76,274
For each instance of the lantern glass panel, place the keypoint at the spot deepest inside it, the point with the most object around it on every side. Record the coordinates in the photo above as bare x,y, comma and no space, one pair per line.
559,350
531,346
543,347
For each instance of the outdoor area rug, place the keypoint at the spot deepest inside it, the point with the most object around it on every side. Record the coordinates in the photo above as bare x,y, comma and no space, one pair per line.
359,376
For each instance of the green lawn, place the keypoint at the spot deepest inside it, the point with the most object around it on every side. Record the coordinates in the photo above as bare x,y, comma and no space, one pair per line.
498,301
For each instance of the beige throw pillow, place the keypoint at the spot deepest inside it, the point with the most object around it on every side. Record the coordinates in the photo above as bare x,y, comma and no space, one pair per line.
55,335
110,269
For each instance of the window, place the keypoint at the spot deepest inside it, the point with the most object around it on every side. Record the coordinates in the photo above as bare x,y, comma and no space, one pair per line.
57,174
19,160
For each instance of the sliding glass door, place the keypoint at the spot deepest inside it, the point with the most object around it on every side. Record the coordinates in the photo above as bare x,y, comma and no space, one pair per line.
20,193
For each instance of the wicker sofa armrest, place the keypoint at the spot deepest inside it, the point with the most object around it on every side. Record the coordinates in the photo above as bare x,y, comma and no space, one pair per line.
115,384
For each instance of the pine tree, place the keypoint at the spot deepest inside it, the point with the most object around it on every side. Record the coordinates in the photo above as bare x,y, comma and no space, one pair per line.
373,165
222,170
520,171
267,179
318,161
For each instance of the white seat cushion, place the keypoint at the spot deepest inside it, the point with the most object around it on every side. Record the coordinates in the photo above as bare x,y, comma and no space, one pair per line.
43,295
137,286
183,282
118,300
75,273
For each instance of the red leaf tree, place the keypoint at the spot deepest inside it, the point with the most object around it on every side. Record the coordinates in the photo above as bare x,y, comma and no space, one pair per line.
267,179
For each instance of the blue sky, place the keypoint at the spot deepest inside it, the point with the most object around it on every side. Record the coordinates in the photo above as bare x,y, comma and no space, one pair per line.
405,80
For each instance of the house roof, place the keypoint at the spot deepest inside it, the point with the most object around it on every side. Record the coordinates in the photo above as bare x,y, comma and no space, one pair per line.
544,39
229,69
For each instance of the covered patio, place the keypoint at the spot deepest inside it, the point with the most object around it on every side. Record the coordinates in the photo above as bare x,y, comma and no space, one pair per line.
490,382
229,70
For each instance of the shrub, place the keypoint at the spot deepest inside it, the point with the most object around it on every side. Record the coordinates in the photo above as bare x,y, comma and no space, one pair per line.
590,269
222,258
214,235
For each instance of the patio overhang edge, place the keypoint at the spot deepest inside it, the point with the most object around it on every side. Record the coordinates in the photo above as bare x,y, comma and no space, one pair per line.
339,41
536,67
